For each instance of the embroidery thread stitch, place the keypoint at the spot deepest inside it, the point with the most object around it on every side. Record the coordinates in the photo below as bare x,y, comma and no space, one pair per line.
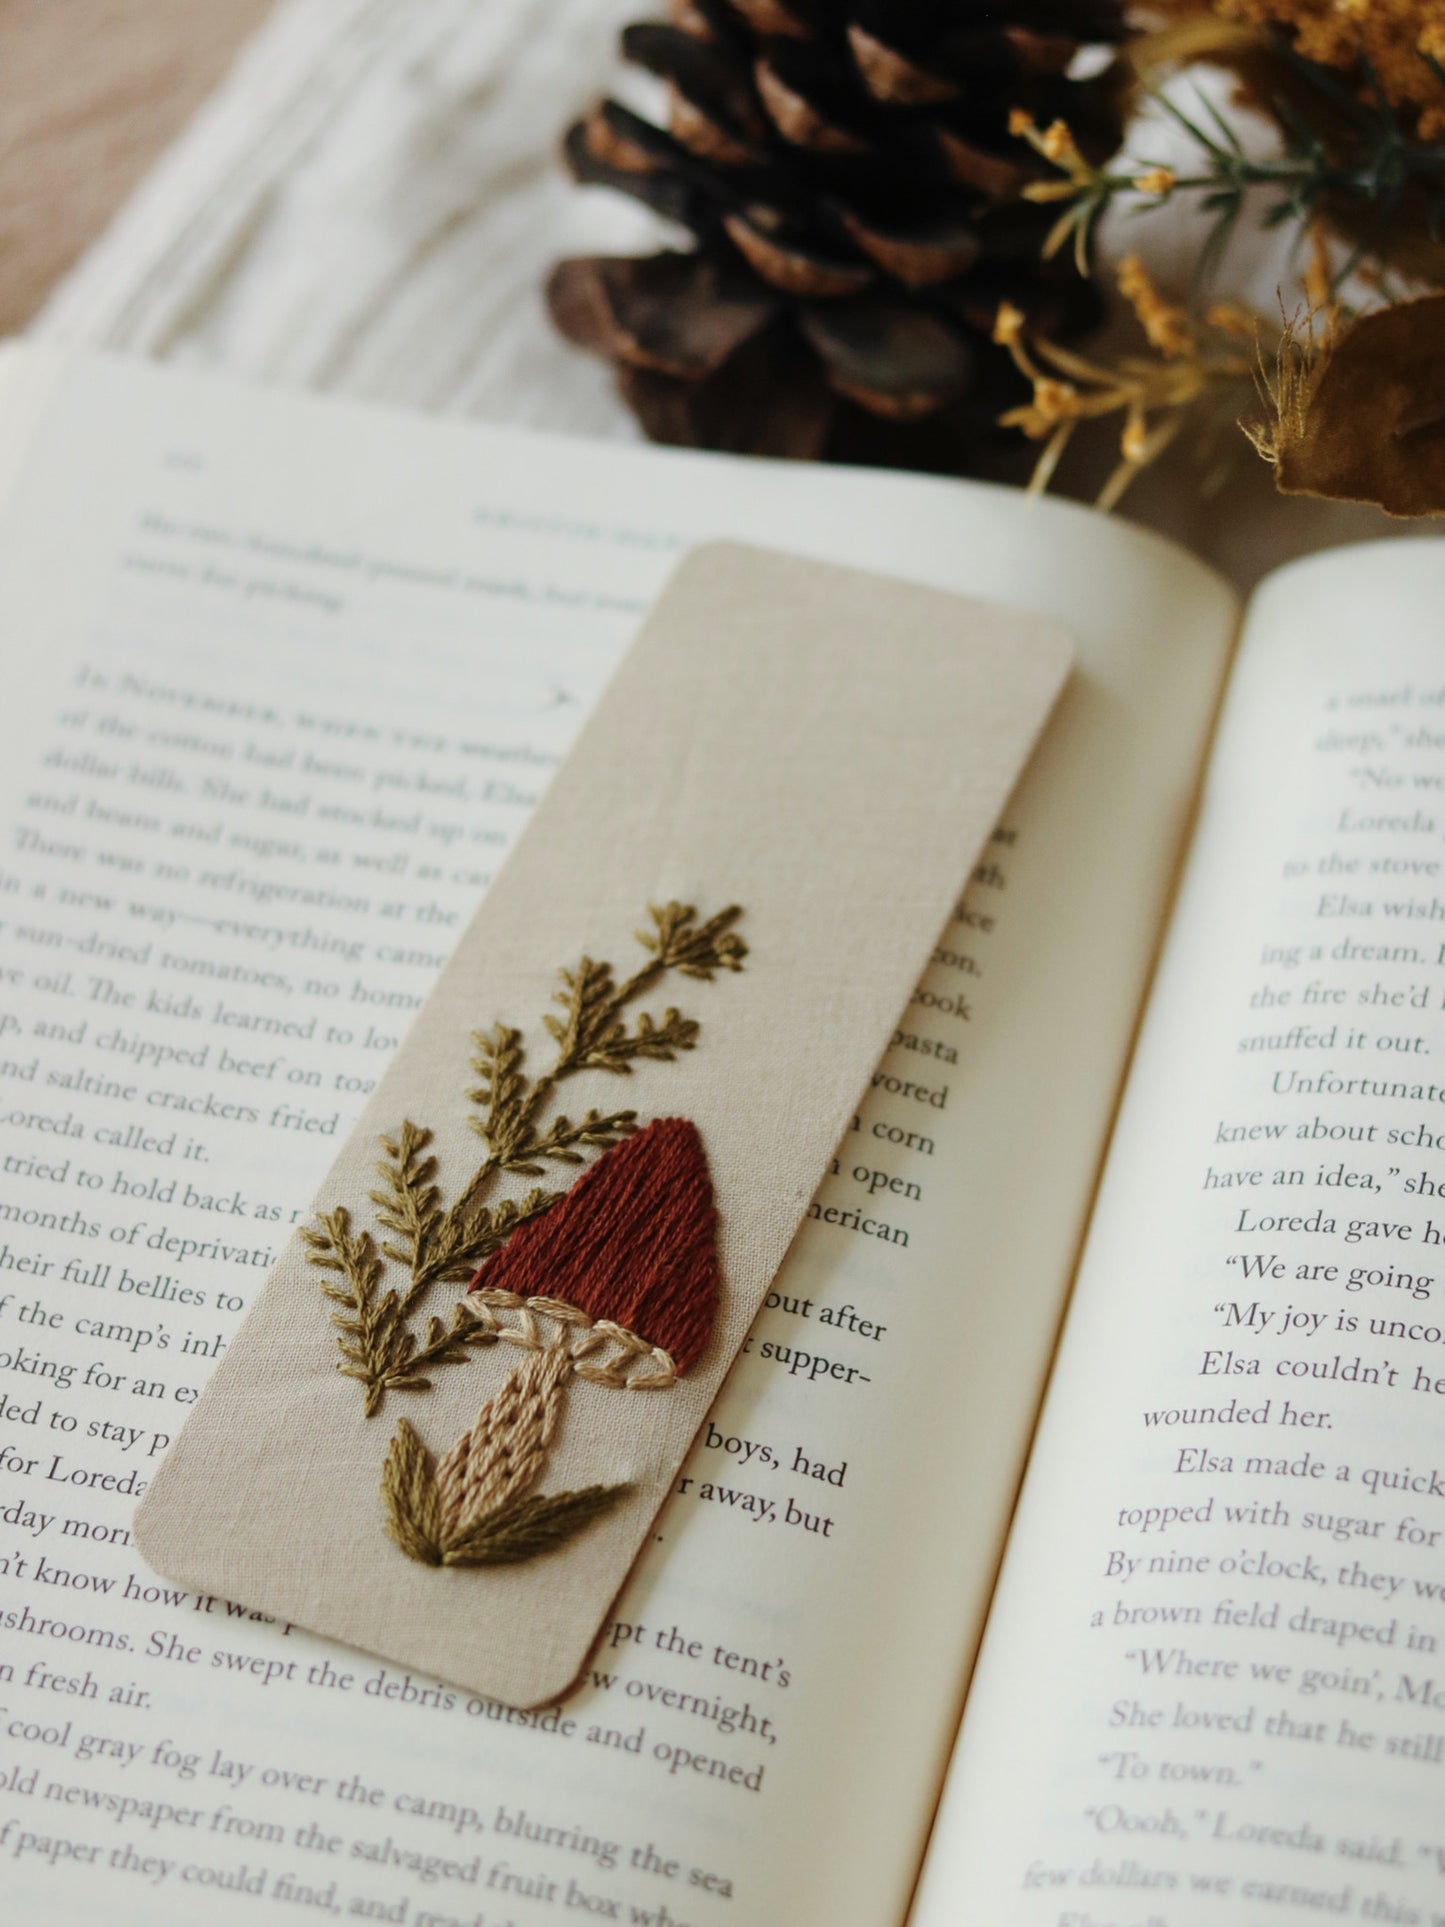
426,1529
436,1244
634,1239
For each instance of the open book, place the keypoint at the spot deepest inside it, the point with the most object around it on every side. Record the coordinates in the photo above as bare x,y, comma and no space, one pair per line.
283,679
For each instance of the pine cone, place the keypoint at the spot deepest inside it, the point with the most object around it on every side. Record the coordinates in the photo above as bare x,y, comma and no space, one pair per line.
846,170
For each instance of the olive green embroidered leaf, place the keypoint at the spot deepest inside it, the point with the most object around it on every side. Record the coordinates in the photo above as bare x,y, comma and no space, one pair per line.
442,1345
367,1328
409,1490
695,950
525,1528
615,1050
409,1204
561,1139
529,1527
590,998
502,1092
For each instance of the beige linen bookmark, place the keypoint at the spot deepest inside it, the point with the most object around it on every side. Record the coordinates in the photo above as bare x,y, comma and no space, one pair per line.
445,1428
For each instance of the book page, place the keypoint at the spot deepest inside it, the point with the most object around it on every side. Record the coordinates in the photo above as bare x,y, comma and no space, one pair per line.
285,679
1214,1678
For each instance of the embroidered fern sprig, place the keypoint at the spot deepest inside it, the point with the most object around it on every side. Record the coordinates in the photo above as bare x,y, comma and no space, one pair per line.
593,1035
510,1106
696,950
439,1244
409,1204
502,1091
372,1336
441,1345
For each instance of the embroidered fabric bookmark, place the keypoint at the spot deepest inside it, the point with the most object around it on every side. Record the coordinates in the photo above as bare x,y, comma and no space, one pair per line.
446,1426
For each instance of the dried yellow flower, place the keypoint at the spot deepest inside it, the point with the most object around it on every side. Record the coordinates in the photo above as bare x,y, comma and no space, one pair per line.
1166,325
1153,397
1134,442
1396,37
1059,146
1156,180
1232,319
1037,421
1008,324
1056,401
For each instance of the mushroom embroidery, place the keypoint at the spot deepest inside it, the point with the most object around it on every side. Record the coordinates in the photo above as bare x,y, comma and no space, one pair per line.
614,1282
617,1285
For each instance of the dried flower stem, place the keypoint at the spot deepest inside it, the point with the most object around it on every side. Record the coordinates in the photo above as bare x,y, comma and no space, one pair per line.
1153,396
1354,154
1284,394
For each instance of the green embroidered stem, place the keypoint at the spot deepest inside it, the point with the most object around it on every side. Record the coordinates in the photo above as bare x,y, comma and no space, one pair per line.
437,1244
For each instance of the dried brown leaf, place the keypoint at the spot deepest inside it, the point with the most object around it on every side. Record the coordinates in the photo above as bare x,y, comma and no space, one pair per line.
1367,421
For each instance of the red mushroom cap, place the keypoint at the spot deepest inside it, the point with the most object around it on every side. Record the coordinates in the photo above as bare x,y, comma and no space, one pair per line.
633,1241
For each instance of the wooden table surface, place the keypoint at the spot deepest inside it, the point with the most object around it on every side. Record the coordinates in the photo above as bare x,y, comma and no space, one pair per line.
90,92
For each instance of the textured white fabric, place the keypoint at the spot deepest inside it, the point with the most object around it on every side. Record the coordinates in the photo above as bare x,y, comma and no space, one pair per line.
370,204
